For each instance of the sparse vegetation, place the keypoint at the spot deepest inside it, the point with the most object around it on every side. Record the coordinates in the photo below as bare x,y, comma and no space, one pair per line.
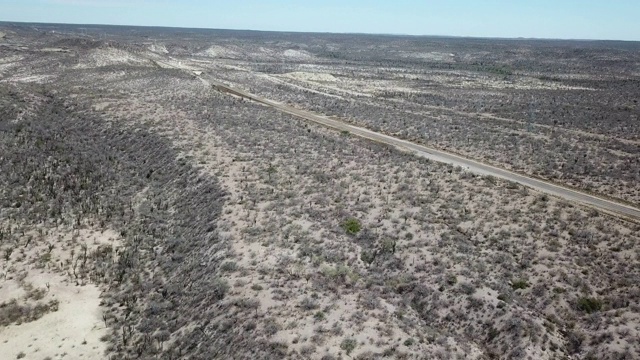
212,227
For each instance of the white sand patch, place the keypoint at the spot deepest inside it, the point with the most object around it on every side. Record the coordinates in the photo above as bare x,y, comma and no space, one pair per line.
264,52
236,68
622,153
43,275
361,88
200,61
218,51
93,239
101,105
9,289
11,59
32,78
574,76
433,56
297,54
161,49
171,63
72,332
55,50
379,87
287,81
462,80
110,56
10,62
4,68
315,77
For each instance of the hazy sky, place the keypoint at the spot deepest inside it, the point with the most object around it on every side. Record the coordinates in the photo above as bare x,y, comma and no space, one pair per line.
581,19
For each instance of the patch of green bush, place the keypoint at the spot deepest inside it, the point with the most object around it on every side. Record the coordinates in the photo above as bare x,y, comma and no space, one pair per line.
589,305
229,266
220,288
256,287
352,226
348,345
319,316
519,284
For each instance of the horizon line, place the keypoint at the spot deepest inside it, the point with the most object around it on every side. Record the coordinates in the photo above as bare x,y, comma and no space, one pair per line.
324,32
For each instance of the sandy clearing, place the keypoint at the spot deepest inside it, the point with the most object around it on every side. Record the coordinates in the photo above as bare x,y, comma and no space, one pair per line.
31,79
6,67
288,83
101,105
106,57
10,289
298,54
11,60
72,332
472,81
308,76
72,329
55,50
433,56
158,49
219,51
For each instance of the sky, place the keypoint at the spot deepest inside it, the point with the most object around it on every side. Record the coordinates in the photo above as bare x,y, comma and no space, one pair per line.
558,19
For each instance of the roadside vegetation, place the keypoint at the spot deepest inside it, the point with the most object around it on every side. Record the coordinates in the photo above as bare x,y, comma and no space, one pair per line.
214,227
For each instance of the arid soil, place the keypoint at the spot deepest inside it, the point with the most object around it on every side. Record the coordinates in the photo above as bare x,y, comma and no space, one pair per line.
143,214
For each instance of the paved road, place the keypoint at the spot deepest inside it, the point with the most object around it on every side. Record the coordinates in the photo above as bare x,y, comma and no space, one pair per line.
608,206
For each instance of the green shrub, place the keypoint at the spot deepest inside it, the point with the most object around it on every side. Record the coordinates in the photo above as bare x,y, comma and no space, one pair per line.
352,226
339,273
309,304
229,266
319,316
256,287
348,345
220,288
519,284
589,305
